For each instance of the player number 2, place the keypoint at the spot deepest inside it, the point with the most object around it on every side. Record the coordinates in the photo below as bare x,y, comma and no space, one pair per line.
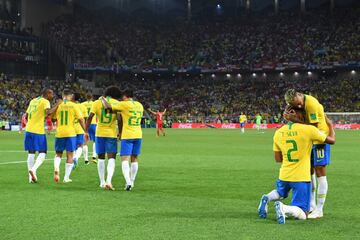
293,149
135,120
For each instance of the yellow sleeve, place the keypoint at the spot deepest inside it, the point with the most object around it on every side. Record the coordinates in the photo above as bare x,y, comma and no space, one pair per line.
276,147
316,134
120,106
78,114
85,113
94,107
312,112
46,104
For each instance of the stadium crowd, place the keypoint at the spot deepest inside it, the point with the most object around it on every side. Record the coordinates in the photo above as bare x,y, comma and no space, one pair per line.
308,39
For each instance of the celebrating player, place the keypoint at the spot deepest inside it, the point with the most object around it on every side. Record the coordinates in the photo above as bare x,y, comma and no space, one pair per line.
35,138
65,139
106,135
320,155
49,124
159,121
131,136
23,122
292,147
242,120
79,130
92,129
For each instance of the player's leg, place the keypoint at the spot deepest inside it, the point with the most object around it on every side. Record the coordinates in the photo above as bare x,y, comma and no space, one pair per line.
134,160
281,191
111,149
86,151
100,149
30,148
322,159
125,153
59,148
92,131
70,149
41,147
313,189
79,149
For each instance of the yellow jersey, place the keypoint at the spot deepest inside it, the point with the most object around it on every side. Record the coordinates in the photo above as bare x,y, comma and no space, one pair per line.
243,118
84,113
107,123
88,106
66,115
36,112
131,113
295,142
315,113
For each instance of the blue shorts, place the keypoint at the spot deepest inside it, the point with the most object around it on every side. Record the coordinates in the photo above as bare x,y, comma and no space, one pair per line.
105,145
301,192
320,155
92,130
35,142
130,147
79,139
242,125
65,143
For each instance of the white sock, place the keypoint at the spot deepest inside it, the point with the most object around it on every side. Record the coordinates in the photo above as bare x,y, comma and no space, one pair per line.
68,169
57,161
273,195
126,171
133,171
30,162
313,192
78,153
242,130
294,211
94,151
101,170
110,170
39,160
86,152
321,193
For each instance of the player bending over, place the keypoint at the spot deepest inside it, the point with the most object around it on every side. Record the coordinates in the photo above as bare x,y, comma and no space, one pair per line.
106,135
242,120
92,129
292,147
65,139
35,138
131,136
159,121
79,131
320,155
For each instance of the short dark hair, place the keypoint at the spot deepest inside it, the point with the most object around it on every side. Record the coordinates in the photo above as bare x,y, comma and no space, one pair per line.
128,93
46,91
66,92
113,91
77,96
89,96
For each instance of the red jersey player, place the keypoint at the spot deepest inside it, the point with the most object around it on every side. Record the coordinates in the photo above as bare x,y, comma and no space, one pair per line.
23,122
49,124
159,121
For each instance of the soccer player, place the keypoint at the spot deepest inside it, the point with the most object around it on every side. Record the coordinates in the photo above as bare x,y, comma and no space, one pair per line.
106,135
320,155
65,139
131,136
49,124
292,146
258,119
79,130
242,120
23,122
35,138
159,121
92,129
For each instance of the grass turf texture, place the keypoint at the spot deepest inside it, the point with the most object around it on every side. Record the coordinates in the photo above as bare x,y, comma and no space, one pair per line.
192,184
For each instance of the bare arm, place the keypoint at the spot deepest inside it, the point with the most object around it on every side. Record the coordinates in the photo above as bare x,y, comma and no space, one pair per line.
105,104
50,111
331,139
82,124
120,124
151,111
88,122
278,157
164,111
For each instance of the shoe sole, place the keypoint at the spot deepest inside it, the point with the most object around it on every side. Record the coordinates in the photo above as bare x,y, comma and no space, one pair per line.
262,208
280,217
33,177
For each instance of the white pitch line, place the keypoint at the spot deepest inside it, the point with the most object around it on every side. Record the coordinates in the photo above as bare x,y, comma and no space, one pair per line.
16,162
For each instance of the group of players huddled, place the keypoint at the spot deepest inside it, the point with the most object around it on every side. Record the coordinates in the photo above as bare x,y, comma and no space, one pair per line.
113,116
302,147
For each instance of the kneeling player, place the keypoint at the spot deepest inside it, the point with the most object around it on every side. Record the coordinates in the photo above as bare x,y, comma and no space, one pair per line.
292,146
131,135
65,139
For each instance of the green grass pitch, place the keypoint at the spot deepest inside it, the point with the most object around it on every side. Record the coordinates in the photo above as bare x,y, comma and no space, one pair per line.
192,184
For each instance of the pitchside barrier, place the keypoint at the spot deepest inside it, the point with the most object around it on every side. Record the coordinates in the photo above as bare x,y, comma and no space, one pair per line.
250,125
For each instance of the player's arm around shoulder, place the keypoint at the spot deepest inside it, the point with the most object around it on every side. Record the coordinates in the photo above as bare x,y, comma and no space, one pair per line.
317,135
